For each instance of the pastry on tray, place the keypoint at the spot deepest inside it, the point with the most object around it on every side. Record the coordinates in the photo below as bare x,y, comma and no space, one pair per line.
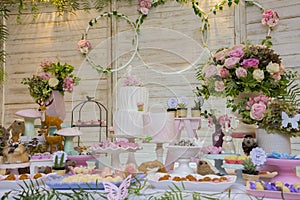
147,166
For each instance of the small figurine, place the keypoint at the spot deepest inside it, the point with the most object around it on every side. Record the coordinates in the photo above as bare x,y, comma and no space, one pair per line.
14,151
248,144
205,168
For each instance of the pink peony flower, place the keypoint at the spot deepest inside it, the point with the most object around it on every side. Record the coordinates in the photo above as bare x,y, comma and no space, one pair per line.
270,18
277,76
221,55
238,53
241,72
258,111
251,62
231,62
224,73
239,46
68,84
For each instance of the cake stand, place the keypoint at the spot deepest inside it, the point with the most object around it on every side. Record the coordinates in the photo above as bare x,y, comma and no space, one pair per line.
218,158
239,168
286,170
183,155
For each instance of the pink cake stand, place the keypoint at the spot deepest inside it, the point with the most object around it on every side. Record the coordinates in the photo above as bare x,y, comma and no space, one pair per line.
286,169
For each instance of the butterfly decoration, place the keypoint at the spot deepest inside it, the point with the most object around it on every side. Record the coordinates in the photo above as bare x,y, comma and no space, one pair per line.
287,120
117,193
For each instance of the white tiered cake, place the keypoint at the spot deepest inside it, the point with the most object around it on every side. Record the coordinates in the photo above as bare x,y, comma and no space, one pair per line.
128,121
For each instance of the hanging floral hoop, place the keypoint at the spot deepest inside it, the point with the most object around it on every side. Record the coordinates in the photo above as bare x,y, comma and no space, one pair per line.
144,8
87,45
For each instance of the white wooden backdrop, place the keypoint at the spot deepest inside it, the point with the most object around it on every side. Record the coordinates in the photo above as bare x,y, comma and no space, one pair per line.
169,42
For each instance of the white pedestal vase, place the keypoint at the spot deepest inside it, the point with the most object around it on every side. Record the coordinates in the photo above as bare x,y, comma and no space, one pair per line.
273,141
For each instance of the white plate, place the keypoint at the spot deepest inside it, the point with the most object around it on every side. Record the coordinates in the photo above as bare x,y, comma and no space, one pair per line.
191,185
18,184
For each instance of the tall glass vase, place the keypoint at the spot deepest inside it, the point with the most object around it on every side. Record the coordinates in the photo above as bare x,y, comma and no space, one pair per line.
228,145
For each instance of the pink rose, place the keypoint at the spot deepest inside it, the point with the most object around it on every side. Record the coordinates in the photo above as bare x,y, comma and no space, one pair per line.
144,6
219,86
84,46
231,62
224,73
144,10
220,56
239,53
270,18
251,62
277,76
258,111
241,72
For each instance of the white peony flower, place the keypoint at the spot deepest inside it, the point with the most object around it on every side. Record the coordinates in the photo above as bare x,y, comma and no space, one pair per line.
53,82
273,68
258,75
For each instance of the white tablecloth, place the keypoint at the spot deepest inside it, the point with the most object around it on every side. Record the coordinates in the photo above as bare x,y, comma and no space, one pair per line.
238,192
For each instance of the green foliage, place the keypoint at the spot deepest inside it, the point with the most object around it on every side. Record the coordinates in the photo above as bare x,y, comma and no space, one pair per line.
38,87
249,167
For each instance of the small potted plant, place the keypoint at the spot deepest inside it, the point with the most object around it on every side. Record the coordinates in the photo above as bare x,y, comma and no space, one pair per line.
199,101
182,107
257,157
59,158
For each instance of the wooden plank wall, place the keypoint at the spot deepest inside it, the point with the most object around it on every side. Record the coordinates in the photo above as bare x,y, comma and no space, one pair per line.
169,41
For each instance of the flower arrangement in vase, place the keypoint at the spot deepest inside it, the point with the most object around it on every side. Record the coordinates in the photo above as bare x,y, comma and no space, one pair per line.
49,77
246,71
220,123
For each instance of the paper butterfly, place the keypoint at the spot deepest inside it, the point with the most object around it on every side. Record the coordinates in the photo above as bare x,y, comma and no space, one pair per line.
117,193
293,121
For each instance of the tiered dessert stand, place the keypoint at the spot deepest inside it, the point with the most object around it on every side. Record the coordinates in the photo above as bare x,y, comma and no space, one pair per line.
286,169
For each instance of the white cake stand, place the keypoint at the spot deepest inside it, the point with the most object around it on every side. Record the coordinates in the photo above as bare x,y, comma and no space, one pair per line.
183,155
115,154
